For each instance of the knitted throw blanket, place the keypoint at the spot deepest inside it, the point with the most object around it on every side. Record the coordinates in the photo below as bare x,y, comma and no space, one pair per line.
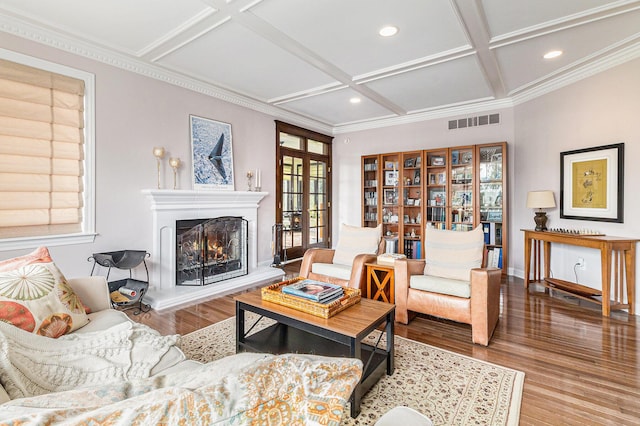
32,365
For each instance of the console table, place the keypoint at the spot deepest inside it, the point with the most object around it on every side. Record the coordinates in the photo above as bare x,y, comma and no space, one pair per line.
621,250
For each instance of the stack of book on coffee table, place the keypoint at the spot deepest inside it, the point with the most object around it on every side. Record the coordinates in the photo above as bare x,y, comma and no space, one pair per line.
313,290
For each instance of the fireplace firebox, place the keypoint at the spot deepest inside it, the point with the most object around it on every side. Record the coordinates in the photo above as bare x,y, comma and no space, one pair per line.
210,250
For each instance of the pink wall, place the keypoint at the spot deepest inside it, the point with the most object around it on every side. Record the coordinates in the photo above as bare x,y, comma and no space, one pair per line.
599,110
133,114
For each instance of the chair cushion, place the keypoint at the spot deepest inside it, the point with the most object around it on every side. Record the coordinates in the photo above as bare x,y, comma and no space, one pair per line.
452,254
332,270
355,240
441,285
36,297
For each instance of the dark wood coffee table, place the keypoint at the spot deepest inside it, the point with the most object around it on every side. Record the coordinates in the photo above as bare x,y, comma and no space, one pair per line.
341,335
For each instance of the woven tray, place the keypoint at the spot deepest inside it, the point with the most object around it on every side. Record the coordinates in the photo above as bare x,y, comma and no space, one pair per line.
274,294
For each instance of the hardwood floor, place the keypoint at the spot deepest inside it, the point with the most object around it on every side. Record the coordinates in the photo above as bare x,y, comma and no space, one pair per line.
580,368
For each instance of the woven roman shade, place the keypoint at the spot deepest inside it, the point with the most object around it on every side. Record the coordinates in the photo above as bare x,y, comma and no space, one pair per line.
41,152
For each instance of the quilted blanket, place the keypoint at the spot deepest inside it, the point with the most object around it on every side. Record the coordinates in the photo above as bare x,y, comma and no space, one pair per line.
240,389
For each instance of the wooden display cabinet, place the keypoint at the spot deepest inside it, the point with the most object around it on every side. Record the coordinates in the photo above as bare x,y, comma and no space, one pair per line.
457,188
370,191
436,184
411,203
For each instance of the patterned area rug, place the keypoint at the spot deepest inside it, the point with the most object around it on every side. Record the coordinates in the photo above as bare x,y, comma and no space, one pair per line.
450,389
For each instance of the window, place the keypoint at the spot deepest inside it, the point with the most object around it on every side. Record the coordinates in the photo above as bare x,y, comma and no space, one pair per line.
46,153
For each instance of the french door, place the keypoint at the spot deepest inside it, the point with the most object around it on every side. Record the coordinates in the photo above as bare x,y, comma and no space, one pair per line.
303,189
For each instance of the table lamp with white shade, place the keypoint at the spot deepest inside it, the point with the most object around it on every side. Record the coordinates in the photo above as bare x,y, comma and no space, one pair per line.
540,200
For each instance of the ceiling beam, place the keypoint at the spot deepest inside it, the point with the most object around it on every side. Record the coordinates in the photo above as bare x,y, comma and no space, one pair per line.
474,21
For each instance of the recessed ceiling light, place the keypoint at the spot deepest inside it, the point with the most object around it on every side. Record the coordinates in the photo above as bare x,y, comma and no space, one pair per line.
388,31
552,54
355,100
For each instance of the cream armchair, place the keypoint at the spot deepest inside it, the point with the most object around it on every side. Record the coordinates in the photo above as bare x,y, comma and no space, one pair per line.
344,265
450,283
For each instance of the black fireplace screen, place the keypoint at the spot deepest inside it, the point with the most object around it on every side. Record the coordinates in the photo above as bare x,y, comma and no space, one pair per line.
210,250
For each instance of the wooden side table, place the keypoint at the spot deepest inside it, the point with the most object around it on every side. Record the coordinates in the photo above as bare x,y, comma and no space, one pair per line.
383,278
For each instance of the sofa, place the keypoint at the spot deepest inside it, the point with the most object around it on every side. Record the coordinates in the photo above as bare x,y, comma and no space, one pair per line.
116,371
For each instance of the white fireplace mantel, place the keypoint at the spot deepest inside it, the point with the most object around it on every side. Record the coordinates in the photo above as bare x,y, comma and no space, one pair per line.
168,206
170,199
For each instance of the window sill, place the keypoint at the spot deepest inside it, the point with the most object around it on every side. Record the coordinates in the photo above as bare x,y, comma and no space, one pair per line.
47,241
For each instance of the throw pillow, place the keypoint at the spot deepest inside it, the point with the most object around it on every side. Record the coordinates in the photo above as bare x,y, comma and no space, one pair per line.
452,254
355,240
35,296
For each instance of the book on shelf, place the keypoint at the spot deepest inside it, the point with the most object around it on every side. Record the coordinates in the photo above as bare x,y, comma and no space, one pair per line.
487,233
494,258
317,291
391,245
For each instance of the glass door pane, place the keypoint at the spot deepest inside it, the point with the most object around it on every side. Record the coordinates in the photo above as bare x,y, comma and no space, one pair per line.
317,228
292,208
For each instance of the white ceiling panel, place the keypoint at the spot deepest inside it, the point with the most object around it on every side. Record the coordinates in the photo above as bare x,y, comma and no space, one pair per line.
345,33
429,87
507,16
234,57
522,62
289,57
125,25
335,108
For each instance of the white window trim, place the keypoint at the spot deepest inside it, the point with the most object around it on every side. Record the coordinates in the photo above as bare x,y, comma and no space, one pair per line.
88,233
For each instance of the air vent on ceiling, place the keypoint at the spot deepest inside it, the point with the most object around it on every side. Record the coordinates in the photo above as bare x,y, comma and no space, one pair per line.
481,120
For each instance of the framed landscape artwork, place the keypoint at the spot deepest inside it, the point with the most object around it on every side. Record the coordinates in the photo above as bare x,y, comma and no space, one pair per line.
212,154
592,183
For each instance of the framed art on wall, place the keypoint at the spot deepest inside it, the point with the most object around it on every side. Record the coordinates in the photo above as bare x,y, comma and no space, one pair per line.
592,183
212,154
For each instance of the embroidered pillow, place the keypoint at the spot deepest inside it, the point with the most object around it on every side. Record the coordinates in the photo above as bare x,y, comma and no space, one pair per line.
452,254
35,296
354,241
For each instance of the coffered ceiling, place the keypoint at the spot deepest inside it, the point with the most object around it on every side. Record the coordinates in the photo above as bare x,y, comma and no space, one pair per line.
305,60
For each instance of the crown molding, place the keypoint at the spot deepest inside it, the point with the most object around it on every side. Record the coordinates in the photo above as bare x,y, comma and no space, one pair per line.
63,42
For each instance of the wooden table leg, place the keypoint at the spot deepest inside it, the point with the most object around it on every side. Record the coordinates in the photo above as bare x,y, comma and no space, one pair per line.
606,280
630,269
547,260
527,260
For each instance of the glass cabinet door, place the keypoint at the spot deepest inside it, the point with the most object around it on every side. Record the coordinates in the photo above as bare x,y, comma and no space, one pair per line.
436,188
370,191
491,192
390,201
461,189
